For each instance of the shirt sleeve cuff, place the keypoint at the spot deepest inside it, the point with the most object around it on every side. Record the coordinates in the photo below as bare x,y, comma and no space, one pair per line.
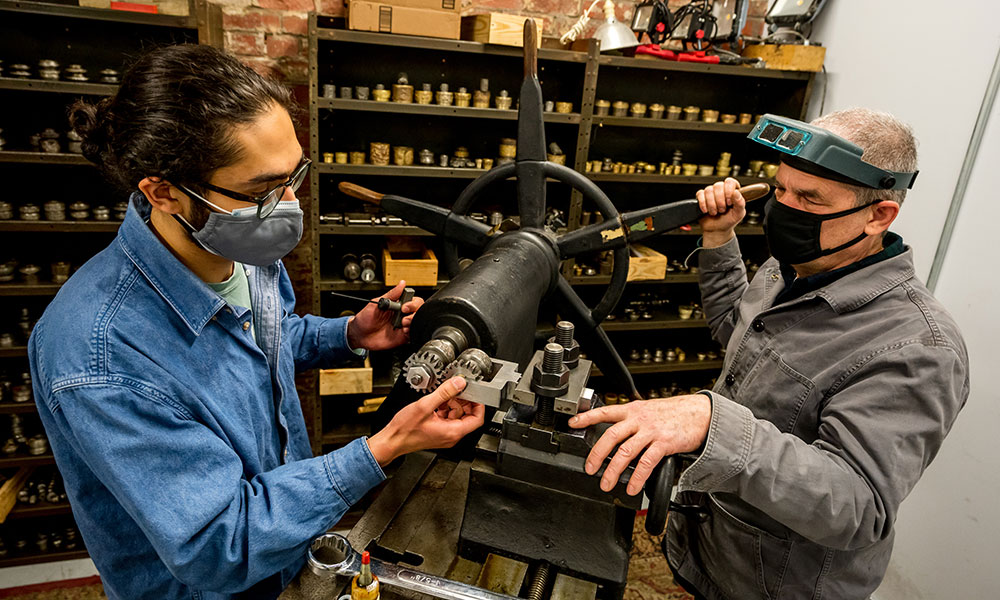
726,449
347,341
720,258
353,470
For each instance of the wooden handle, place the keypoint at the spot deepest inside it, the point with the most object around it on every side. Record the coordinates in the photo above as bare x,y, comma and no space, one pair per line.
753,191
362,193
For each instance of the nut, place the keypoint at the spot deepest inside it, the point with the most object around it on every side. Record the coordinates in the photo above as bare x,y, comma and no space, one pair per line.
542,382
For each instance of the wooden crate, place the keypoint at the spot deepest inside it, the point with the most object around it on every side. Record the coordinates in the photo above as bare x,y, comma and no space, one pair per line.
350,380
9,490
498,28
645,263
407,259
788,57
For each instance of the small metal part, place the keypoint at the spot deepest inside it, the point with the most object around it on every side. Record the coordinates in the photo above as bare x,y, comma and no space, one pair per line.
20,71
346,92
38,445
550,106
539,582
121,209
443,96
647,356
361,92
367,268
424,369
102,213
564,107
29,212
75,73
380,93
634,355
473,365
571,348
29,273
463,98
60,271
671,356
110,76
402,91
349,267
329,91
658,355
444,160
427,157
619,108
656,110
503,100
638,109
602,108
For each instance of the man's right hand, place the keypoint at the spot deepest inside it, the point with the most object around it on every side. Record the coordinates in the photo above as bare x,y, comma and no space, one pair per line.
438,420
724,208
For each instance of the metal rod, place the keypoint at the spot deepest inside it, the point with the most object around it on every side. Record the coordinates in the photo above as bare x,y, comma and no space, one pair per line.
965,174
348,296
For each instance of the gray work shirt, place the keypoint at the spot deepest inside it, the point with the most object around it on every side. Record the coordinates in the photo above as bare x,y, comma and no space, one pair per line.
828,409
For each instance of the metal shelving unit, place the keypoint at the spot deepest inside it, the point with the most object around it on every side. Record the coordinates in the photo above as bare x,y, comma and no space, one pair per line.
59,87
61,226
62,158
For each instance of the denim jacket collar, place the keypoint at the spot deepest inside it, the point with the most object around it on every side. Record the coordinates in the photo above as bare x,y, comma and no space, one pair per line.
193,301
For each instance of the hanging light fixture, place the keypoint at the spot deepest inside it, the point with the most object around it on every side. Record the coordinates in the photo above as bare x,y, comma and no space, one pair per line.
612,34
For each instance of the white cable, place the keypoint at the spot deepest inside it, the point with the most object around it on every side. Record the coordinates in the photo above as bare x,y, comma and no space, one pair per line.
577,28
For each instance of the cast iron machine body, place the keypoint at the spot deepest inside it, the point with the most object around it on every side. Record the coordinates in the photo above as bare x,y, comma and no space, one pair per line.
534,502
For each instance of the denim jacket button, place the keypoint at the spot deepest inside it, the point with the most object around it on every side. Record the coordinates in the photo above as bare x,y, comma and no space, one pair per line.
246,325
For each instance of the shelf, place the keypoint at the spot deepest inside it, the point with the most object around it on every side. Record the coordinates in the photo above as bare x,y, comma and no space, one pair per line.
439,172
373,230
672,124
23,289
440,111
60,87
425,43
26,460
340,285
30,559
676,179
346,433
13,352
675,323
42,509
63,158
17,407
61,226
667,367
100,14
606,279
669,65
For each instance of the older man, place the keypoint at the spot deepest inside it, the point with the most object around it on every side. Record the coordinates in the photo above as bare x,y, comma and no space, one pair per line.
842,377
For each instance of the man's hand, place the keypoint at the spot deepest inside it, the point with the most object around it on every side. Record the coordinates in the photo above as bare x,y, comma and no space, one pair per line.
371,328
438,420
724,208
661,427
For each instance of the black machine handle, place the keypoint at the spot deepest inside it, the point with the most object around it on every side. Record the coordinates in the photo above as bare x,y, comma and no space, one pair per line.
658,489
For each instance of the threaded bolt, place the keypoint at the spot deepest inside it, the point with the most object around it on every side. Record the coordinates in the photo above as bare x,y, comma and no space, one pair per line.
539,582
553,359
546,413
564,334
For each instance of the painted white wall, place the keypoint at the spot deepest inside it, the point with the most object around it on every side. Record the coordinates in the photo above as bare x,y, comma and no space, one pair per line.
11,577
929,64
926,62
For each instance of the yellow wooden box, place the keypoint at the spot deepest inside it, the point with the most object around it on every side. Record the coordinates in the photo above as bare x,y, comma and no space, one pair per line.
409,260
498,28
788,57
645,263
349,380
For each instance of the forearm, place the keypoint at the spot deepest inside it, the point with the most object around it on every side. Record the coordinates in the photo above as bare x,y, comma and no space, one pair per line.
722,280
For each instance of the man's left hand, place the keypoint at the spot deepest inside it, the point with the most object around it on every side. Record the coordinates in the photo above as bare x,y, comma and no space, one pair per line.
661,427
371,328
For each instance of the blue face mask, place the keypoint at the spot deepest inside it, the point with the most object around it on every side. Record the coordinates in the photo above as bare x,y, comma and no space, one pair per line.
240,236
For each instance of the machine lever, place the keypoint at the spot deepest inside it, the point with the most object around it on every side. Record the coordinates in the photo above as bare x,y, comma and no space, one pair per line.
361,193
331,554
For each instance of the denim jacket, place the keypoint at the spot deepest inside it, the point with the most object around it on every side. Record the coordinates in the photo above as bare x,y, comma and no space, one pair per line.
829,408
181,439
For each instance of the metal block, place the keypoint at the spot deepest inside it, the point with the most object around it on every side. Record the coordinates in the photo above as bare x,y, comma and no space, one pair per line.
496,390
502,575
576,397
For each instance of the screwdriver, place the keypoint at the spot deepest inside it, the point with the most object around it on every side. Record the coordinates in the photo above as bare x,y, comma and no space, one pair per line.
395,306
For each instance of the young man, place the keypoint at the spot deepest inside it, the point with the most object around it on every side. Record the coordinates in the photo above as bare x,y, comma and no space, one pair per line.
164,369
842,377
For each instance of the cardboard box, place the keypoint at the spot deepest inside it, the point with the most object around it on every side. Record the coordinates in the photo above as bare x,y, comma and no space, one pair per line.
454,6
409,260
645,264
788,57
498,28
350,380
386,18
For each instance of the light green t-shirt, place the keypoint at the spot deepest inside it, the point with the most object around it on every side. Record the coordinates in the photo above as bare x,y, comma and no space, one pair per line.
236,291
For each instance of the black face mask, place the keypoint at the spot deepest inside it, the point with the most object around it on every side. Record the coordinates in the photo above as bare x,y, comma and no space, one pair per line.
793,235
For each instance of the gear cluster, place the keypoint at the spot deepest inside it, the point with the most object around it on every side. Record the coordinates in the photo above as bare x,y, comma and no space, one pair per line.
435,362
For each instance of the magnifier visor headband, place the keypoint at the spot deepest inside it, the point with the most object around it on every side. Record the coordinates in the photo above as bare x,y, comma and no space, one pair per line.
825,154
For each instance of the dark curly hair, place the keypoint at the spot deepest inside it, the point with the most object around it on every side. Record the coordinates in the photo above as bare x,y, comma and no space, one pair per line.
174,114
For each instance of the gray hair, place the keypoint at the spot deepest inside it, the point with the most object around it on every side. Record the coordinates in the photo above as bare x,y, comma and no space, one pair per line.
887,143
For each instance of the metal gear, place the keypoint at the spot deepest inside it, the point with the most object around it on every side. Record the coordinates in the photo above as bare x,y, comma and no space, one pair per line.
424,369
472,365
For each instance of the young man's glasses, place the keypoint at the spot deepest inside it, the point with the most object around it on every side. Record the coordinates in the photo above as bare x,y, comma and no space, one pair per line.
266,202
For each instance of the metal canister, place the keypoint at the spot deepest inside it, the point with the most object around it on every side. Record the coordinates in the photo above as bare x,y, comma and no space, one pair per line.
380,93
673,112
727,118
49,141
656,111
402,156
329,91
564,107
74,142
361,92
48,69
443,96
328,157
427,157
508,148
402,91
60,271
745,118
503,100
6,210
710,116
602,108
619,108
463,99
691,113
638,110
340,158
379,154
55,210
481,97
424,95
357,158
549,106
29,273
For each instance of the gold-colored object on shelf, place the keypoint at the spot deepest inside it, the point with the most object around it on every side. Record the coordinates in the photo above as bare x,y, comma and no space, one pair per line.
479,163
691,113
357,158
463,99
443,96
689,169
508,148
380,93
673,112
638,109
745,118
559,159
602,108
755,166
649,169
379,154
424,95
619,108
727,118
564,107
328,157
656,110
487,163
723,171
402,91
402,156
503,100
706,170
481,97
770,170
340,158
710,116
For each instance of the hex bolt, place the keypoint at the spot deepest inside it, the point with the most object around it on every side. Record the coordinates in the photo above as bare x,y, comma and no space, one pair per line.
553,359
564,333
